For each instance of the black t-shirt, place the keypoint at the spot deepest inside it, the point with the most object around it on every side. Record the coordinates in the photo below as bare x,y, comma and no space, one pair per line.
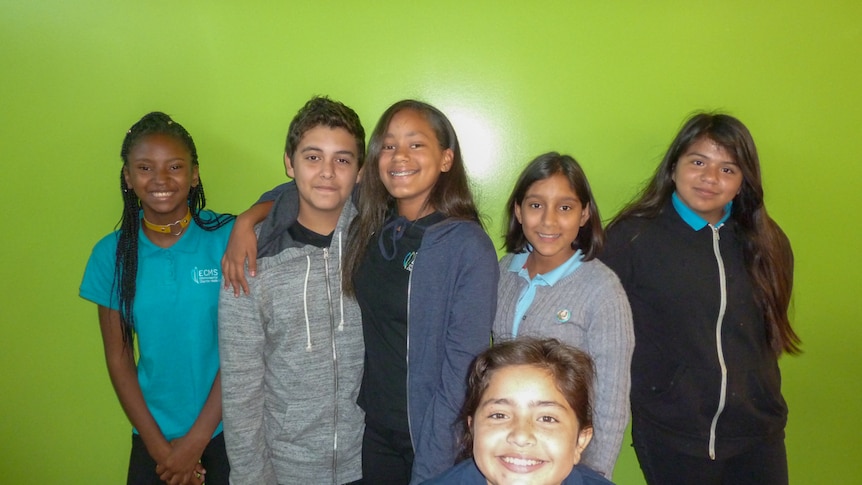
381,289
303,235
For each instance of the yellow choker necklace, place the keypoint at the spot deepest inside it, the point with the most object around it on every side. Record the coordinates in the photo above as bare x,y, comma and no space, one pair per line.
168,228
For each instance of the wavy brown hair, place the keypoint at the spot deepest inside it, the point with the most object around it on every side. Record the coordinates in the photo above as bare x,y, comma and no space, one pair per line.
571,369
322,111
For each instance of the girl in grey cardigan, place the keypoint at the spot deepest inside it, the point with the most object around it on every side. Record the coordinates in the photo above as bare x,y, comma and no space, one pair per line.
552,285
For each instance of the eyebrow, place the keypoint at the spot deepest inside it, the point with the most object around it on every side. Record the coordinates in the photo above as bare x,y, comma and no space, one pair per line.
409,133
150,160
701,155
316,149
533,404
696,154
542,197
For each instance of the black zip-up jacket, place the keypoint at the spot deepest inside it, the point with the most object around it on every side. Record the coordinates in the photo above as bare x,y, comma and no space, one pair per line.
697,393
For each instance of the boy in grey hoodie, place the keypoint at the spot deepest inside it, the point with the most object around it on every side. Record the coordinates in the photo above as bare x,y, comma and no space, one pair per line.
291,348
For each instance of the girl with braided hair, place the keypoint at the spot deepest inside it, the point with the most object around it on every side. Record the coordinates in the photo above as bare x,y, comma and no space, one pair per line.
156,279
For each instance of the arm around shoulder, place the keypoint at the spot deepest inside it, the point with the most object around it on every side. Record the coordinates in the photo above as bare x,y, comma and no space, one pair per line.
242,248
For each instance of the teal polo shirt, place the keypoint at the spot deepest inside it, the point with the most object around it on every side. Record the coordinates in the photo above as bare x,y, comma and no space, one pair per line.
176,319
550,278
692,219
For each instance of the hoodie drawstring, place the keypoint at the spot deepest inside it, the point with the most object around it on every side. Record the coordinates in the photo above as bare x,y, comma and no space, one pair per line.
305,303
395,226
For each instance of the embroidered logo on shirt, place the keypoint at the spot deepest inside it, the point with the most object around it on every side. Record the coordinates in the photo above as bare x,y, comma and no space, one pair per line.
203,276
563,315
408,260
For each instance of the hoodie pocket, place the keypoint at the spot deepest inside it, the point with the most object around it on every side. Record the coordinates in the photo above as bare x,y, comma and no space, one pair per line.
755,406
682,398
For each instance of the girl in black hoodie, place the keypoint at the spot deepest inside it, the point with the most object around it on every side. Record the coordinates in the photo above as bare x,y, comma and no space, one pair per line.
709,276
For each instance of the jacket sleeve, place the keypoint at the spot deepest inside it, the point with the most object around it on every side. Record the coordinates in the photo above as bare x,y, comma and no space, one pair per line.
610,342
241,350
468,333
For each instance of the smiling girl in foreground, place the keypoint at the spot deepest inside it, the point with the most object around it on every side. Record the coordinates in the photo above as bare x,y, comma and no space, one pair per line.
709,277
527,417
552,285
156,279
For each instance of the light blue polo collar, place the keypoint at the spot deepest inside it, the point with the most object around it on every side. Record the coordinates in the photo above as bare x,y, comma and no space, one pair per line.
551,277
528,294
692,219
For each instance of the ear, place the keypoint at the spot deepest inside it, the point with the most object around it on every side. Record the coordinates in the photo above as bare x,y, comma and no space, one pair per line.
448,156
359,174
585,214
196,176
127,177
288,166
585,435
470,423
517,210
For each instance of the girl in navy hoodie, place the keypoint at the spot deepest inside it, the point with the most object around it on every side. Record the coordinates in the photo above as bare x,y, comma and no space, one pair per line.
425,275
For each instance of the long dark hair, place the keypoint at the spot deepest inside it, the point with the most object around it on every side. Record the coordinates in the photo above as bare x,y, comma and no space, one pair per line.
591,237
126,266
450,196
571,369
768,256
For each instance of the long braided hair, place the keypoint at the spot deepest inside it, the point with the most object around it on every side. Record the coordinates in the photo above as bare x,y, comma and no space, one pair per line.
126,266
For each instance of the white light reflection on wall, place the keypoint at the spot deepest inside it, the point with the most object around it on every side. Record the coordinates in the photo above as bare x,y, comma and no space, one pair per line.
480,142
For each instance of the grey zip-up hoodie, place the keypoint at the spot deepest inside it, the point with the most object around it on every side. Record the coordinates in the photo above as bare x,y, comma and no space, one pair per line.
291,361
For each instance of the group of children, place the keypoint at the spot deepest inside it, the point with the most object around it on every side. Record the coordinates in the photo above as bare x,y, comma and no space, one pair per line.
367,333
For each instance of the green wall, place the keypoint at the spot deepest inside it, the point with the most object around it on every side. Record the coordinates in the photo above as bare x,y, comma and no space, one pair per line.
609,82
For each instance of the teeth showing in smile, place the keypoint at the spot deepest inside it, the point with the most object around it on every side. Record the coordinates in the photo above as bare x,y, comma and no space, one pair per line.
402,173
547,235
521,461
162,194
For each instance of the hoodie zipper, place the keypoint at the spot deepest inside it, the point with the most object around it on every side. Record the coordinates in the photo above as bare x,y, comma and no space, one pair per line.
334,369
719,350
